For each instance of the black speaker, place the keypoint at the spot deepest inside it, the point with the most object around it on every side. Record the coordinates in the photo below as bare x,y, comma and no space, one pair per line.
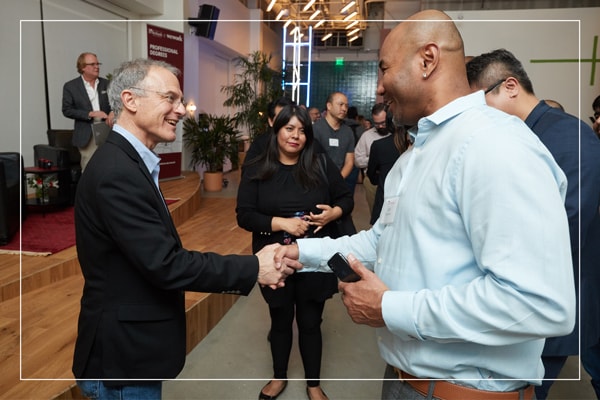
206,23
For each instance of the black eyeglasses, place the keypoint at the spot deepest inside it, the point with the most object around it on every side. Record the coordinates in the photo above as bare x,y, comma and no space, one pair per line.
93,64
167,96
494,86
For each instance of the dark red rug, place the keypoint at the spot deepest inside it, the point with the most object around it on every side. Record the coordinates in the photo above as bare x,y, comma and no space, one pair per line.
43,233
47,233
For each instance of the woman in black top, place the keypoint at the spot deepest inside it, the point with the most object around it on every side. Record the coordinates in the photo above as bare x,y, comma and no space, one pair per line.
287,193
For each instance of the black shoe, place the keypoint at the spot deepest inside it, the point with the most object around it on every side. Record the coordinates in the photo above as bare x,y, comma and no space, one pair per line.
263,396
308,393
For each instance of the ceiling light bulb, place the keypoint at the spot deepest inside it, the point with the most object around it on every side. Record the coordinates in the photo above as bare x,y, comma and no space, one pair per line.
271,4
288,22
281,14
350,16
352,32
314,15
307,6
347,7
327,36
351,24
352,39
318,24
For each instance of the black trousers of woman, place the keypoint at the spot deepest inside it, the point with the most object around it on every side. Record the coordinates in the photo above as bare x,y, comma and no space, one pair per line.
302,297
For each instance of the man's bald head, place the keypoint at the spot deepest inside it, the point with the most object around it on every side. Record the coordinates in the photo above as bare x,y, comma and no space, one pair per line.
423,65
433,26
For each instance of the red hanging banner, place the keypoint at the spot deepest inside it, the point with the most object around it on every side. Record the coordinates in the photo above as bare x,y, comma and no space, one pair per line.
166,45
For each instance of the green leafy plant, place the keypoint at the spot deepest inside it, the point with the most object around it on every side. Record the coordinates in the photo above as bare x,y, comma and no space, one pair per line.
211,139
254,86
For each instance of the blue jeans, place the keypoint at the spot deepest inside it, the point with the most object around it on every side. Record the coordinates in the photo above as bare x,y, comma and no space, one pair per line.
351,179
96,390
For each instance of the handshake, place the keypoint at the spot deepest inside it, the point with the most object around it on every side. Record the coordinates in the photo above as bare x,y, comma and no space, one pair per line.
276,263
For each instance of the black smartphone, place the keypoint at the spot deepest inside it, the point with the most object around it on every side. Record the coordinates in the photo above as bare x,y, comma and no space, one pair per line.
342,269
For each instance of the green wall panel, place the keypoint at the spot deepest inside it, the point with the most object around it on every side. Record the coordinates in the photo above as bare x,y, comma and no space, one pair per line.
356,79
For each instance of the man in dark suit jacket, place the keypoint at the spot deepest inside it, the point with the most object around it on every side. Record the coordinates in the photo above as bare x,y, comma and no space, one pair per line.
85,99
576,150
382,156
132,320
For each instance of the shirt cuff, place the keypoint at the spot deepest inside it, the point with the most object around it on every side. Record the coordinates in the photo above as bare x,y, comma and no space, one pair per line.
396,308
310,251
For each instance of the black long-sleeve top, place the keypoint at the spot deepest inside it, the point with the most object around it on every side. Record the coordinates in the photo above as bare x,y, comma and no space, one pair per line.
281,196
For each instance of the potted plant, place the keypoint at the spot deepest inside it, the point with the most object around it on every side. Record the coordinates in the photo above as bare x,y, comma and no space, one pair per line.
254,86
211,139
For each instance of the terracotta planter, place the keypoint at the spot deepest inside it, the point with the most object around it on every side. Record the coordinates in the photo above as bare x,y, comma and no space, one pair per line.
213,181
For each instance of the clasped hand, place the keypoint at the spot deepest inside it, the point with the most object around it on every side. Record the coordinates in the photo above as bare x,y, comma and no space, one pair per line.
272,273
363,298
329,214
299,226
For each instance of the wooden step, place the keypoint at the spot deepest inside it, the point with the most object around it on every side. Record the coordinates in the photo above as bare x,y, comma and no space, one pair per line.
49,326
40,271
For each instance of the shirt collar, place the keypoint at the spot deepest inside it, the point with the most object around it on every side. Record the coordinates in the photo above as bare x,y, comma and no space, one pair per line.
88,84
421,131
536,113
151,160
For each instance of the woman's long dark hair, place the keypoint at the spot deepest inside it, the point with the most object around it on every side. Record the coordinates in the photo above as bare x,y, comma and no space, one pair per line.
307,170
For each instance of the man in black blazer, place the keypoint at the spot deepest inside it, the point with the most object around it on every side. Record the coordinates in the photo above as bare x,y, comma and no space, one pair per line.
85,99
132,330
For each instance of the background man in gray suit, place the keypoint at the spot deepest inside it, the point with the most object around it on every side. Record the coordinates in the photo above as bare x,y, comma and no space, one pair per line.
85,99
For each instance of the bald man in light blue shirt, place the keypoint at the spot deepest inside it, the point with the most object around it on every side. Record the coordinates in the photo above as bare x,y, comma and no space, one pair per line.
471,255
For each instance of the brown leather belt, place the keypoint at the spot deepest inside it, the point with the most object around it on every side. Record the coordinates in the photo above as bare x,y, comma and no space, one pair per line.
445,390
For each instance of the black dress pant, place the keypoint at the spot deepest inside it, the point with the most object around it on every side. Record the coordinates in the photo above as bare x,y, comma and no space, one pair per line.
303,297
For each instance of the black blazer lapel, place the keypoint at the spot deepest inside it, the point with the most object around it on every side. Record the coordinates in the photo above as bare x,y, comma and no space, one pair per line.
121,142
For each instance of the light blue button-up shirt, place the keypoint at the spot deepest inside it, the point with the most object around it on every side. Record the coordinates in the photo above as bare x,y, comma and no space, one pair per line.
151,160
477,255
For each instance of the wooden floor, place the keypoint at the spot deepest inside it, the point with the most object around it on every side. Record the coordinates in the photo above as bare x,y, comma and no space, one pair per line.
40,297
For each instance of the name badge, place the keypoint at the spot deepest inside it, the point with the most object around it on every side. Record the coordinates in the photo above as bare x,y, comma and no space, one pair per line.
333,142
388,211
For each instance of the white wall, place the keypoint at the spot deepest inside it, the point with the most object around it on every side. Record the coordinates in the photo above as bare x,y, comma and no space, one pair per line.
209,63
66,40
11,79
542,35
69,29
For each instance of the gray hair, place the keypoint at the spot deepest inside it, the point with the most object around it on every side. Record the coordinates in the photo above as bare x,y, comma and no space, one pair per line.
129,74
